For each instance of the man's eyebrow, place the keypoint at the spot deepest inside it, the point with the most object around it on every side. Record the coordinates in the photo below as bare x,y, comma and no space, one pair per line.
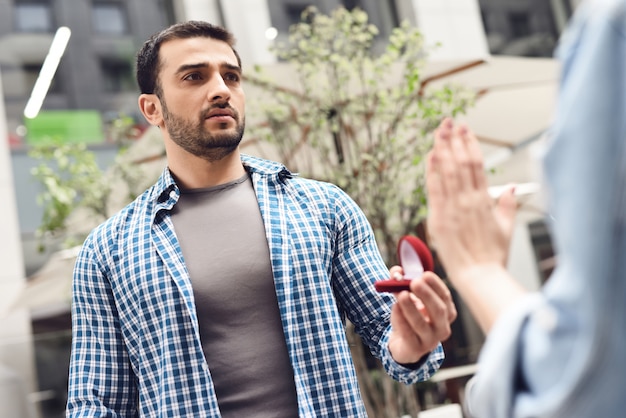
200,65
232,67
187,67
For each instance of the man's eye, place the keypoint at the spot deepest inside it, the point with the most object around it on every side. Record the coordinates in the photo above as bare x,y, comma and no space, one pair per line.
192,77
231,77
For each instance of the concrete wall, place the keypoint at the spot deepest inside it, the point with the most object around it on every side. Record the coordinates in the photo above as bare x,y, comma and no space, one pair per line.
455,24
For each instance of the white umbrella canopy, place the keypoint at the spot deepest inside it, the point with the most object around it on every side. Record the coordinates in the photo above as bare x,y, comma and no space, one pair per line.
516,96
515,106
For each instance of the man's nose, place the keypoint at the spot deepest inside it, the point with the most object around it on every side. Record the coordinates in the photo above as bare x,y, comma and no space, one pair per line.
218,90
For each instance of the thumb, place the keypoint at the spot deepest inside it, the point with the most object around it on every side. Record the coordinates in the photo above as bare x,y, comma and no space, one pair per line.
507,204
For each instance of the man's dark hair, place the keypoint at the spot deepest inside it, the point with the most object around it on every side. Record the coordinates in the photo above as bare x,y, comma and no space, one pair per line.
148,63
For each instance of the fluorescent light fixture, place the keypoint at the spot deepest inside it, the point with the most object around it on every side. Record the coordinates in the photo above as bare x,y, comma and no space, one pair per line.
49,67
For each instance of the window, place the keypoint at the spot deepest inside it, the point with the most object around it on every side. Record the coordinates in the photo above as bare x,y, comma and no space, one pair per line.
519,23
33,16
545,255
117,75
286,13
31,73
383,15
527,28
109,18
294,14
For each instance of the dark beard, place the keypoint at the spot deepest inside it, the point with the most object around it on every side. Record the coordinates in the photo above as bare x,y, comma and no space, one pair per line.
196,140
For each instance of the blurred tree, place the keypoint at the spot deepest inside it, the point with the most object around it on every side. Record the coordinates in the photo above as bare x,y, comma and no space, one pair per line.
356,119
363,121
77,193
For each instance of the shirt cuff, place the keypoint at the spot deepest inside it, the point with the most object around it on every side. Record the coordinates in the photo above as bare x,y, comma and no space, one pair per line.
412,373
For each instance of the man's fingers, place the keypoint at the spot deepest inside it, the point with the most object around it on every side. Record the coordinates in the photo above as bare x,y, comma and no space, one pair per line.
415,320
442,291
435,305
396,272
429,319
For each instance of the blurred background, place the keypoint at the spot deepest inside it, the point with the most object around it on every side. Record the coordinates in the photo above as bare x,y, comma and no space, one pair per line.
502,49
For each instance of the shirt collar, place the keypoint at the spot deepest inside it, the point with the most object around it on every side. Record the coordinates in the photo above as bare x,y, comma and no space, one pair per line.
165,185
265,167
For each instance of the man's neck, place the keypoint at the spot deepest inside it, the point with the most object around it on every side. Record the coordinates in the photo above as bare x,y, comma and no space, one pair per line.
192,172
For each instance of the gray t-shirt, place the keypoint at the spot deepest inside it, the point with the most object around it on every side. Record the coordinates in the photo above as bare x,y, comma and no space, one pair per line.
223,241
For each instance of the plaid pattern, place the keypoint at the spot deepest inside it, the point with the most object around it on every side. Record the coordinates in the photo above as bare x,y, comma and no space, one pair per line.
136,348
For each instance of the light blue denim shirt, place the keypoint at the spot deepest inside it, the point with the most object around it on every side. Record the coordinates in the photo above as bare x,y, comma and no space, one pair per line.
561,352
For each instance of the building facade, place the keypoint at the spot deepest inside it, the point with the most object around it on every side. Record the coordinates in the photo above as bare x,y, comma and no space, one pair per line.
96,70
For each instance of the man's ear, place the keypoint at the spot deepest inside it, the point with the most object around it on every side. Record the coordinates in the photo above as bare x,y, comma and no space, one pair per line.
150,106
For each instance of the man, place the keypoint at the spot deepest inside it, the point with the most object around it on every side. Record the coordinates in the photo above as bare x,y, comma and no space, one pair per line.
558,352
222,290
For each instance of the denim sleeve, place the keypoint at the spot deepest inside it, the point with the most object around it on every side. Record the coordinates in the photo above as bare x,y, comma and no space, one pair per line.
559,353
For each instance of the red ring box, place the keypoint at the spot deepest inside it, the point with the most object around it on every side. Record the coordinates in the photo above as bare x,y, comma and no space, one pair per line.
415,258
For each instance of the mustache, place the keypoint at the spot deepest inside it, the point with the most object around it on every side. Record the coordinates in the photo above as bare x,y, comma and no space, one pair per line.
205,112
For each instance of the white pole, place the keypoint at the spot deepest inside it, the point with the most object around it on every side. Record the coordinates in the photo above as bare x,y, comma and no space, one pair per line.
17,365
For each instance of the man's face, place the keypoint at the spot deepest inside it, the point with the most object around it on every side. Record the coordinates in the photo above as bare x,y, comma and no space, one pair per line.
202,100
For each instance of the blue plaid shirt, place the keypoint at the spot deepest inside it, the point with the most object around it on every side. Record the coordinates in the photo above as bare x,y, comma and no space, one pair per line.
136,347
